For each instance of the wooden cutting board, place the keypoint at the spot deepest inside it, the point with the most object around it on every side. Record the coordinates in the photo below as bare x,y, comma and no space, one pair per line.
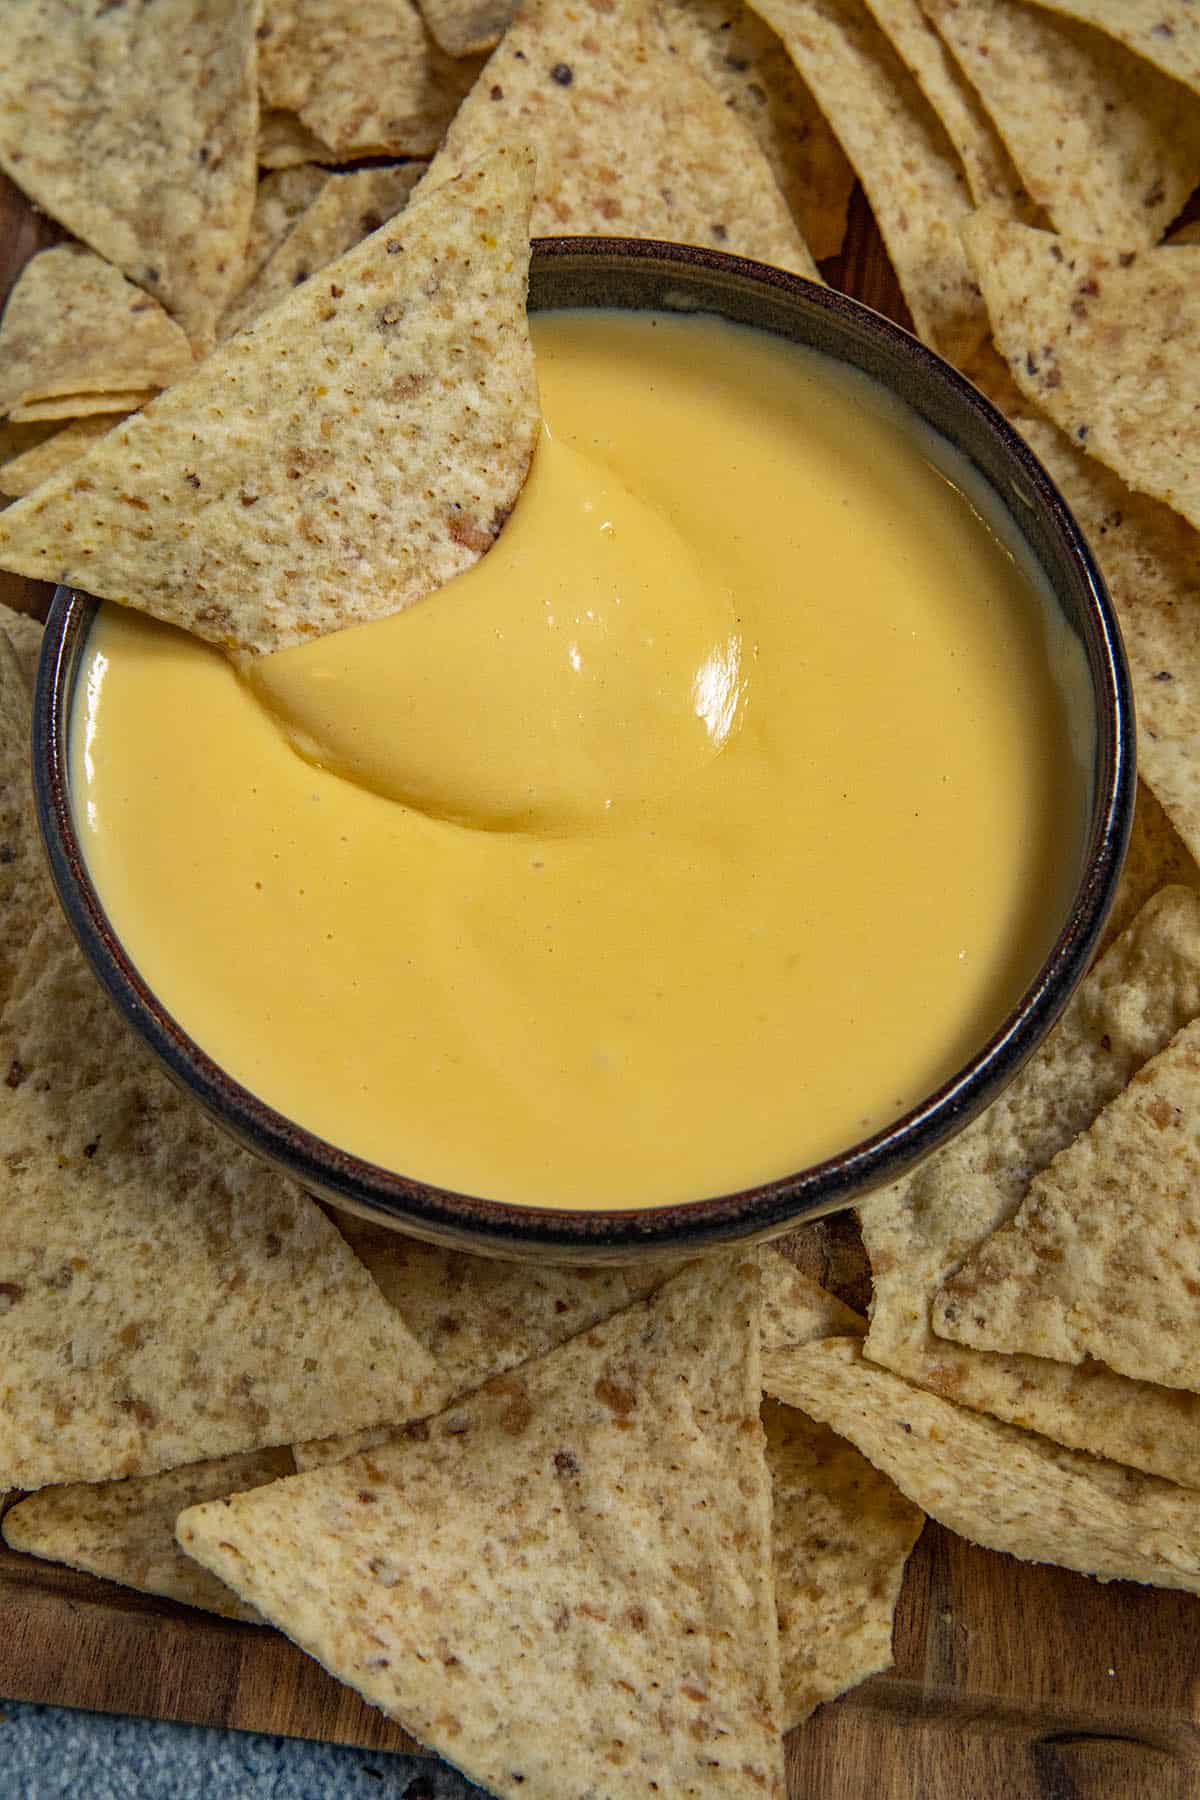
1011,1682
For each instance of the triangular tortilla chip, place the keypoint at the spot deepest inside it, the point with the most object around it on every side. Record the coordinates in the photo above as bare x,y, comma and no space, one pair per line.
265,500
85,406
74,325
919,1231
477,1317
1105,342
745,61
134,125
1102,1259
832,1511
1157,857
463,27
24,633
841,1531
125,1530
164,1297
585,1542
796,1309
24,473
988,167
842,1534
367,79
998,1486
1106,144
282,197
904,159
348,209
1165,32
631,140
1150,559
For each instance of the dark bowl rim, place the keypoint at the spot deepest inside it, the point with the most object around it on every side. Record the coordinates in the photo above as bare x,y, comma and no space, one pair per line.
841,1180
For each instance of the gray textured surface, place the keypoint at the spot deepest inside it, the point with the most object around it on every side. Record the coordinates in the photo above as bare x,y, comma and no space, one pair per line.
47,1753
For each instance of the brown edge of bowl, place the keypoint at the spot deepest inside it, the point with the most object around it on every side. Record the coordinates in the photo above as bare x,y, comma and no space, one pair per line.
468,1222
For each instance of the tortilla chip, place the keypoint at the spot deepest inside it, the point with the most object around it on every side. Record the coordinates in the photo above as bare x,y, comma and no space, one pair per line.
366,79
347,210
739,54
989,169
478,1318
284,143
22,889
1157,857
588,1541
1105,342
135,126
86,406
796,1309
919,1231
991,1483
1150,559
124,1531
1101,1259
631,139
283,196
842,1534
463,27
74,325
262,501
24,633
24,473
904,159
1165,32
164,1297
1123,151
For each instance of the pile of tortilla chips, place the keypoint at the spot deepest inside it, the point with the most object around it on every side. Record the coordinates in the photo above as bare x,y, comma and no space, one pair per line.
544,1516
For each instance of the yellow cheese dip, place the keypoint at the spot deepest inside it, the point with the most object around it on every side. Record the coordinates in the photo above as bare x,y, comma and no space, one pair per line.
708,824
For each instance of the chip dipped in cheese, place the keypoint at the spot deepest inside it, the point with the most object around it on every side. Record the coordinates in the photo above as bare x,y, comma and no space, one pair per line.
591,660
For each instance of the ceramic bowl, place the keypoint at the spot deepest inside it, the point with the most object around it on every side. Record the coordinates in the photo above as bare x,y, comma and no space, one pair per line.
640,274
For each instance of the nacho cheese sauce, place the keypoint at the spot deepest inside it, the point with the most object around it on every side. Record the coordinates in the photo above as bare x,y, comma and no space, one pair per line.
709,823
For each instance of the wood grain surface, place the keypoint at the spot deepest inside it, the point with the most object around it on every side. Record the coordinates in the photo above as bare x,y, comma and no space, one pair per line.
1011,1682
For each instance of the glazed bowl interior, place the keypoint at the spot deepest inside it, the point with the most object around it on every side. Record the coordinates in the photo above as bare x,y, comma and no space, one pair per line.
642,275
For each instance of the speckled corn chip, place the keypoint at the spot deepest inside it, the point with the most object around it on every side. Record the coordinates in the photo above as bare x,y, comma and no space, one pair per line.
918,1231
1004,1488
903,157
587,1539
1106,144
135,126
1105,339
124,1531
73,326
631,140
381,420
364,75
